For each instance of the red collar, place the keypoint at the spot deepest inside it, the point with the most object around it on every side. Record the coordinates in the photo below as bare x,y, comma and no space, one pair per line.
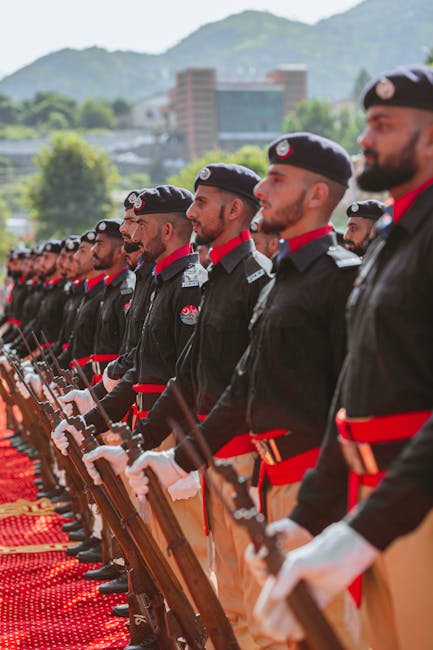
52,283
217,254
175,255
109,278
92,282
402,205
301,240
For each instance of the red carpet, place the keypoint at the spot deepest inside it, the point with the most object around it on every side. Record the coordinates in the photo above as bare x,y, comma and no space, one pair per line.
45,602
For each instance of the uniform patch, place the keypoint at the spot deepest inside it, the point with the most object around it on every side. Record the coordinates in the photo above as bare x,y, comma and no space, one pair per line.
283,149
189,315
255,276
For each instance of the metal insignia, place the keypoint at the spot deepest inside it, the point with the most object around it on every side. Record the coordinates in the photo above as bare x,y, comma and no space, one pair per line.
385,89
91,236
138,203
283,149
190,277
102,226
255,276
205,173
48,247
132,198
189,315
354,207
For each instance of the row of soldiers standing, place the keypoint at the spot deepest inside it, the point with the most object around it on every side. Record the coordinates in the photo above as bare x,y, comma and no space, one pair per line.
257,352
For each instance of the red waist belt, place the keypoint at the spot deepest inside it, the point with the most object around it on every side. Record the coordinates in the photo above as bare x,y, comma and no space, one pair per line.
14,321
97,358
279,470
356,437
65,346
238,446
145,389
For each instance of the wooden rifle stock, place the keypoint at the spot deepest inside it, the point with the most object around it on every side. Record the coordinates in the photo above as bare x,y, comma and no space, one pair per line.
318,632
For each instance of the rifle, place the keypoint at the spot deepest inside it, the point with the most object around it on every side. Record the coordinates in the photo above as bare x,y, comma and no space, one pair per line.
205,599
67,375
184,615
146,593
318,632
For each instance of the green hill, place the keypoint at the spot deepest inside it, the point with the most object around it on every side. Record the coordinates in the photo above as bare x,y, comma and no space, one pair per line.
375,34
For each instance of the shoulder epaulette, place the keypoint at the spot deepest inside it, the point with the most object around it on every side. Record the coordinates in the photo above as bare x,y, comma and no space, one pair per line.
194,276
342,257
256,266
128,283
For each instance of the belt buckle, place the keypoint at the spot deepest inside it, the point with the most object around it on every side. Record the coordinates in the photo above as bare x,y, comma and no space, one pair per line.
139,401
266,451
359,456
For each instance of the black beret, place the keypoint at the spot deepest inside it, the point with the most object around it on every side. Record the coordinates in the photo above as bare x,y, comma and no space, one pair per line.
236,179
408,86
314,153
131,198
71,243
163,199
89,236
52,246
109,227
366,209
21,253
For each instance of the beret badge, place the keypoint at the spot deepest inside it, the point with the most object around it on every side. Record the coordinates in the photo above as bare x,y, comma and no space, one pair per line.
205,173
132,198
138,203
48,247
385,89
91,236
283,149
102,226
354,207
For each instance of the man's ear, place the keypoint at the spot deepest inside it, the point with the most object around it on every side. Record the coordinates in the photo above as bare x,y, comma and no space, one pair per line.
317,195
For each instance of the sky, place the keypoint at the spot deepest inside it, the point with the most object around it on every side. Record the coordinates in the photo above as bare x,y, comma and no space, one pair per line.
30,29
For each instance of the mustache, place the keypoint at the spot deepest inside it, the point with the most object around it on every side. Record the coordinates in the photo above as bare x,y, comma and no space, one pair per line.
370,152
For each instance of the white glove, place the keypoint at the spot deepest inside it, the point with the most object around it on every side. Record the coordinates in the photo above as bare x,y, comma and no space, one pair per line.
47,394
164,466
59,436
109,383
82,399
22,389
114,454
329,564
291,536
185,488
35,382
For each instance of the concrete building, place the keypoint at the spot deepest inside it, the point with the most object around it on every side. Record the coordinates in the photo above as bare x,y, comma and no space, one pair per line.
209,114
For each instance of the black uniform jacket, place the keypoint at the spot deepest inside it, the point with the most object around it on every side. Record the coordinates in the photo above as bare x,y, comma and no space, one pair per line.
286,377
115,302
50,313
74,294
83,334
35,291
167,327
207,362
389,368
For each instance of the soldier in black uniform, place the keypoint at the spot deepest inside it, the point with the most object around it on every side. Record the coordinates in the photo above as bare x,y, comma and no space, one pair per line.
80,343
223,207
362,215
74,289
282,387
385,395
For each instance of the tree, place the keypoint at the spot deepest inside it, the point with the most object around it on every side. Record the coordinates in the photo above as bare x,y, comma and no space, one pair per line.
249,156
9,112
359,84
311,115
97,114
37,111
429,59
72,189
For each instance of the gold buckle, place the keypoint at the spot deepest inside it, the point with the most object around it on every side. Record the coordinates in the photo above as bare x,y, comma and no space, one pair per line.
265,451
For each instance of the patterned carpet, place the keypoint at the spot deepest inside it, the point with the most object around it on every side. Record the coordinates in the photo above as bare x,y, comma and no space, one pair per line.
45,602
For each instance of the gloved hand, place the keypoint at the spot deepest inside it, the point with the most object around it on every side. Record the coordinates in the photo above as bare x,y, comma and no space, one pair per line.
35,382
59,436
329,564
82,399
47,394
185,488
22,389
114,454
164,466
109,383
291,536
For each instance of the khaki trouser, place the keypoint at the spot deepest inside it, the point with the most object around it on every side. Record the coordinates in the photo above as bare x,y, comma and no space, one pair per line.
397,592
341,612
237,589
